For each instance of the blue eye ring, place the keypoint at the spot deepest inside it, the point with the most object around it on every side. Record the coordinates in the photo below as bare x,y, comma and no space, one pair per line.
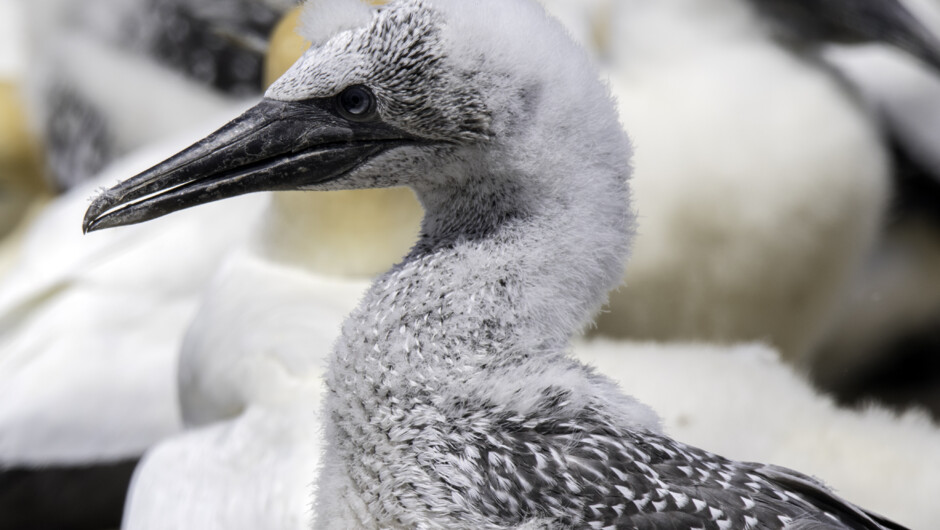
356,103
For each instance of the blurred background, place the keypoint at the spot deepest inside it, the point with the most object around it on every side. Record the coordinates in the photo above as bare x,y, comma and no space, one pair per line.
787,185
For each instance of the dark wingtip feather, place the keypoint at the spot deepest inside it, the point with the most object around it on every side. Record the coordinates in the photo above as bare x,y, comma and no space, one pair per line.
821,497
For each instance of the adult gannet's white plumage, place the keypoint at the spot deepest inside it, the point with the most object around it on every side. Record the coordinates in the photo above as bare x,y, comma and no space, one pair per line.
451,401
760,179
64,306
82,389
88,352
253,429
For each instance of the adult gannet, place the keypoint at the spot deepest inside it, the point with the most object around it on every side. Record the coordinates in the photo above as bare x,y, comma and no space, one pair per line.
451,401
754,231
885,341
85,387
84,383
82,392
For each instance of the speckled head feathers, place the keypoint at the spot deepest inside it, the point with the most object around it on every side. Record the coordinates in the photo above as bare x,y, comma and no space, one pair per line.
399,54
443,69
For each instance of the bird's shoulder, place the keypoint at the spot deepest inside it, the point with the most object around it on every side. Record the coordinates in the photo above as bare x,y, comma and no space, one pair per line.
584,469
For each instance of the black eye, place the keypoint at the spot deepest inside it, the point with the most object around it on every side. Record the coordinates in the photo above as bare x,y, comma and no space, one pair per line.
356,103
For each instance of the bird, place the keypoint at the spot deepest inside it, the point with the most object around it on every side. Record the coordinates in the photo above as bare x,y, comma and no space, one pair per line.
84,393
884,342
756,231
299,262
451,401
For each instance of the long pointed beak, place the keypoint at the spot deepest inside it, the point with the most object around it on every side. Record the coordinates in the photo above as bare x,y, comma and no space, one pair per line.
273,146
855,22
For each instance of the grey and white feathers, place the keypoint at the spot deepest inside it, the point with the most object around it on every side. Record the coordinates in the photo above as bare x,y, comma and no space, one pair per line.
452,402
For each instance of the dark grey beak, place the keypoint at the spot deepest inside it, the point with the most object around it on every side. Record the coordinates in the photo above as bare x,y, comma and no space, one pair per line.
273,146
852,22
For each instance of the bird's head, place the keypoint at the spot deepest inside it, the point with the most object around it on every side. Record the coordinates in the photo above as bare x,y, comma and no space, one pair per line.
416,93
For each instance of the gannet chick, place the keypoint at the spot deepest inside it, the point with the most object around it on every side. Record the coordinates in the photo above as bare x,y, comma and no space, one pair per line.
451,402
250,372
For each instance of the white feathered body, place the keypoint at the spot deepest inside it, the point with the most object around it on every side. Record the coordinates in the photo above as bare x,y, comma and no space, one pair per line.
90,327
250,388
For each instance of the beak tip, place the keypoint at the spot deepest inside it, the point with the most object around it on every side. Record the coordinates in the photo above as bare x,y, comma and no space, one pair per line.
88,225
95,211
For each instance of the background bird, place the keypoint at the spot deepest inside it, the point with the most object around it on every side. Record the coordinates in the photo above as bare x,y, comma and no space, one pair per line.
188,59
780,207
884,346
84,383
83,392
754,232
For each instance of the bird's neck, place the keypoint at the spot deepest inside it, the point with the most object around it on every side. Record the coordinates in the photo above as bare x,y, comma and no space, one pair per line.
356,234
495,286
494,279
